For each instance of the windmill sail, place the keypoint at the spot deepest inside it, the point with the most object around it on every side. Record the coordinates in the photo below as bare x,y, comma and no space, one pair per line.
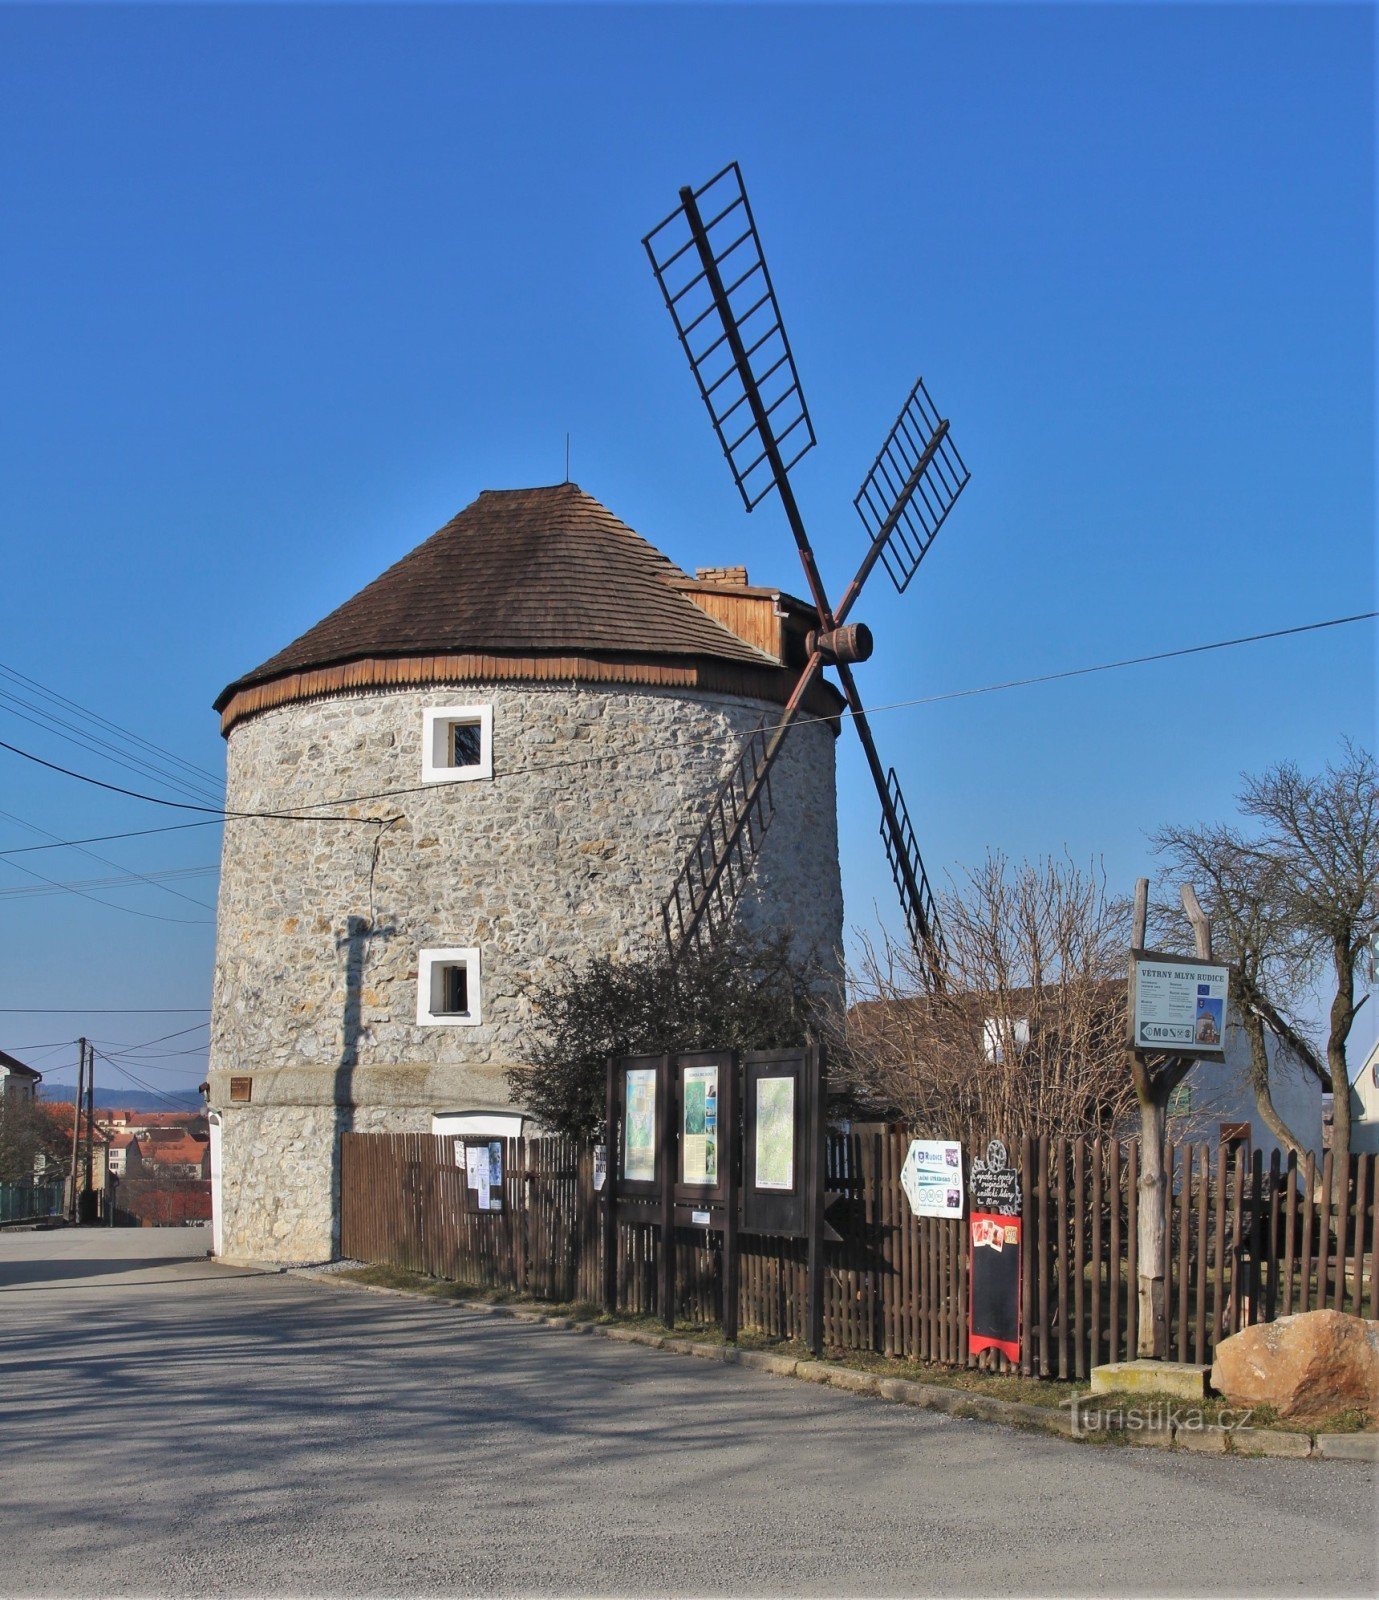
912,486
911,880
720,861
708,261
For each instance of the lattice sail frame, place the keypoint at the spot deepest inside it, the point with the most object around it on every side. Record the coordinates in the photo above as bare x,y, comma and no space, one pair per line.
750,438
921,915
716,870
911,493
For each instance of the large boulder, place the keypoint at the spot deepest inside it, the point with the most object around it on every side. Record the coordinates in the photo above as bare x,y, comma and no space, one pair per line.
1305,1366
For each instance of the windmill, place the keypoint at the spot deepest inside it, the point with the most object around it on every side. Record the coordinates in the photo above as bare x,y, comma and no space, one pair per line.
708,261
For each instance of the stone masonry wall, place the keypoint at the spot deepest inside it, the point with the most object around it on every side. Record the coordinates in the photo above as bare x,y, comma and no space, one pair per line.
568,851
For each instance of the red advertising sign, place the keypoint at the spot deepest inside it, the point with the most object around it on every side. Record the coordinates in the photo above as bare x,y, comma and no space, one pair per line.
993,1284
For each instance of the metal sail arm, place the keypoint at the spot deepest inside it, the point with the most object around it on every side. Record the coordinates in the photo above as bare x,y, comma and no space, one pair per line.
738,349
904,500
719,863
902,852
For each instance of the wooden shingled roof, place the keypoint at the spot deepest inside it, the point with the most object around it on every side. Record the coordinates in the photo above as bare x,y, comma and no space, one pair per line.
519,572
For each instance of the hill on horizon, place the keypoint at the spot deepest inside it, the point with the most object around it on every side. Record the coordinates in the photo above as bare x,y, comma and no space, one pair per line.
127,1099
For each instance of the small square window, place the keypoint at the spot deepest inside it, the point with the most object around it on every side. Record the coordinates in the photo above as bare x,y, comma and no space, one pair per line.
448,988
457,744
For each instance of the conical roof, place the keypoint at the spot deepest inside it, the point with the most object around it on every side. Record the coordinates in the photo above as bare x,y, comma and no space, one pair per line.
518,572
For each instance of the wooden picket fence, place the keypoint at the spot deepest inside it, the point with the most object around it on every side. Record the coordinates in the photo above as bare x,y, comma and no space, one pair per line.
1245,1242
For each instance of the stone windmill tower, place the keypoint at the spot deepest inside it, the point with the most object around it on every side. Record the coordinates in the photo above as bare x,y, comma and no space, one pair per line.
542,707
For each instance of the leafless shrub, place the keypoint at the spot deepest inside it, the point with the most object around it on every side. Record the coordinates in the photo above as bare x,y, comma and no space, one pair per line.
1027,1032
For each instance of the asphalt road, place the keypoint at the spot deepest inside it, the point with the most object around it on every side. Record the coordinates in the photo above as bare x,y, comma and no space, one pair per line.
170,1427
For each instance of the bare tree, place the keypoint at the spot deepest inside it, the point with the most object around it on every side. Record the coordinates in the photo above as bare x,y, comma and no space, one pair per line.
1027,1034
1294,903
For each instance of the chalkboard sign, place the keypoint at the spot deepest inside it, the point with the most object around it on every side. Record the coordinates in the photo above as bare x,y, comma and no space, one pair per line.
993,1233
993,1312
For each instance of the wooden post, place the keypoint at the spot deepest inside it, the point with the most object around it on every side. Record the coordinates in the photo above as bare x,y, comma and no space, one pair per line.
730,1125
1151,1091
669,1109
610,1192
817,1124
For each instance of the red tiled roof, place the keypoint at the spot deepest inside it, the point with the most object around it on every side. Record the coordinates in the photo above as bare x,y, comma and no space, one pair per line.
172,1151
519,572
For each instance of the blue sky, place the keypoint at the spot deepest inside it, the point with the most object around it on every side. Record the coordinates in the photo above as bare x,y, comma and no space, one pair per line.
285,288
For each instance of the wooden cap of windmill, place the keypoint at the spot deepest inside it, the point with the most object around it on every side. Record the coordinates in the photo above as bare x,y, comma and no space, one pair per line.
538,585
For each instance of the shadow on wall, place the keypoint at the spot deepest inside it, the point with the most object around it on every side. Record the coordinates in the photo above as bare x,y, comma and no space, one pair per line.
360,933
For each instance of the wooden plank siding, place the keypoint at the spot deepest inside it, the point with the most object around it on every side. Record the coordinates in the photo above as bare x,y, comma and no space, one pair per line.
387,672
1244,1244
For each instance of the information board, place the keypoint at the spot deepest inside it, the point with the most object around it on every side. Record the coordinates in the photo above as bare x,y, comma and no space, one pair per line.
1177,1004
699,1126
639,1126
775,1133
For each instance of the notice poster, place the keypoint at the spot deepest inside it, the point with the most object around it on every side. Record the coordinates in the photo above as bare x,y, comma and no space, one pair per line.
699,1126
932,1177
600,1166
1179,1005
495,1175
775,1133
476,1172
993,1284
639,1126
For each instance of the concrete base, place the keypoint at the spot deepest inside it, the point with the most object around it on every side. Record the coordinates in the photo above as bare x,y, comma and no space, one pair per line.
1178,1378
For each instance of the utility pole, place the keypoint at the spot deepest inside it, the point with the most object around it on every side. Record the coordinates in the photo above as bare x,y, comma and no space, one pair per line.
76,1129
90,1129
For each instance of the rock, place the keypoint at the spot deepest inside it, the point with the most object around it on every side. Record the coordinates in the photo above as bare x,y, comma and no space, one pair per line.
1304,1366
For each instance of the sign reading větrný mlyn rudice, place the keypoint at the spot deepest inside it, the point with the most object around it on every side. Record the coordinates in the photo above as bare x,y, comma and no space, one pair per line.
1177,1004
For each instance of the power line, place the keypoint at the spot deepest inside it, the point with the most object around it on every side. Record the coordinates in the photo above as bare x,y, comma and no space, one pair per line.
101,1011
100,747
155,880
1129,661
186,805
113,905
106,838
105,861
148,1088
162,1038
14,674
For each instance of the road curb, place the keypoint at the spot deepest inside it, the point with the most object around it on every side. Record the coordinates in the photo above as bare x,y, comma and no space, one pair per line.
967,1404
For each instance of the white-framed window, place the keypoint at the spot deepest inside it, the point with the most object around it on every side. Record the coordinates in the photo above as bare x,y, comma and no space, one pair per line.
456,744
448,988
1000,1035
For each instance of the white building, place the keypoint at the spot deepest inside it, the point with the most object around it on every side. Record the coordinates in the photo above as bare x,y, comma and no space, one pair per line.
1364,1103
16,1078
1216,1100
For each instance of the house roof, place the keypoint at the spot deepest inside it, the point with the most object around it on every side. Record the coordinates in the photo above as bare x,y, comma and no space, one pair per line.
16,1066
163,1150
519,571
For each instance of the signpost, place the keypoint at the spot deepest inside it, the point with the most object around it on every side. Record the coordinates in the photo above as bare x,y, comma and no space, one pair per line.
932,1177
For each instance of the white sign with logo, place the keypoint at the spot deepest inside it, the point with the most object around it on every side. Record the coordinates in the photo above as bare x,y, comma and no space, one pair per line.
932,1177
1178,1005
